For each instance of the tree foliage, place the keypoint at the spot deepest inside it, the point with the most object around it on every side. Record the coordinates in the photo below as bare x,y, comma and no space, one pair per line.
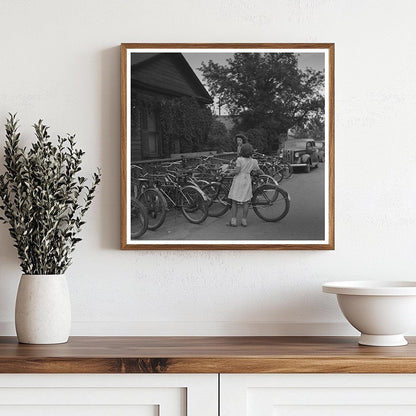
257,138
266,91
44,198
182,120
218,138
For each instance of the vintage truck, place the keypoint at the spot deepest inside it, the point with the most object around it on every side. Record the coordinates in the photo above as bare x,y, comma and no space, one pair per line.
301,153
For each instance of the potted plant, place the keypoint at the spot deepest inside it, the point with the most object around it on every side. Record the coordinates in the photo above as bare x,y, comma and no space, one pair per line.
44,199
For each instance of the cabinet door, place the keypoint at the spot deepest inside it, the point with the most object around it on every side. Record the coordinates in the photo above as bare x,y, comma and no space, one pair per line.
108,395
318,394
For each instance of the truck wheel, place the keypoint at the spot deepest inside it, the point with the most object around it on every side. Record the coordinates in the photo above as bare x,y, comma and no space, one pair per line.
307,168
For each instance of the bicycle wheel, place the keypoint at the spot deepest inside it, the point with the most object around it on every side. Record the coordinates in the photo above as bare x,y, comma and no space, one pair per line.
139,219
217,199
286,170
156,205
200,183
194,204
276,173
270,202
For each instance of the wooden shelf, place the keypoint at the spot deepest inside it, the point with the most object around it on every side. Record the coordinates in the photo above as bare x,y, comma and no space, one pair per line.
206,355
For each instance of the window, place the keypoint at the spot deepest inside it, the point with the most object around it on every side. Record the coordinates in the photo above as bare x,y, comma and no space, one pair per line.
150,134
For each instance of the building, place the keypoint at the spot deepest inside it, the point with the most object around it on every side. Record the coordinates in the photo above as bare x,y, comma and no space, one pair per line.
157,77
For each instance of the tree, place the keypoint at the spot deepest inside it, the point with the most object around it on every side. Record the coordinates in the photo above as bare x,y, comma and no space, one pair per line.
218,137
316,127
256,137
267,91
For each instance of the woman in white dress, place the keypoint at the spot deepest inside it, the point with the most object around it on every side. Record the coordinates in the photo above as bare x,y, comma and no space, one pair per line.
241,189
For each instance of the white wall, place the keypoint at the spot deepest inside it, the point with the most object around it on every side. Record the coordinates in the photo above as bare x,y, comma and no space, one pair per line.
60,62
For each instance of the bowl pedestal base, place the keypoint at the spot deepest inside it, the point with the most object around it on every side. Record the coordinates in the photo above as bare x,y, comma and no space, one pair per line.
382,340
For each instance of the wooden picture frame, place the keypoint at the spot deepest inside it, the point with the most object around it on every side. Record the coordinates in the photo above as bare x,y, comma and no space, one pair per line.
162,88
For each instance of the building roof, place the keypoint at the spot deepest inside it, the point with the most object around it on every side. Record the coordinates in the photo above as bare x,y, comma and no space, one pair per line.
167,73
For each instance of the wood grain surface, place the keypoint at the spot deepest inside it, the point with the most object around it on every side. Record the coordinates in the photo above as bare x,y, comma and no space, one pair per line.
206,355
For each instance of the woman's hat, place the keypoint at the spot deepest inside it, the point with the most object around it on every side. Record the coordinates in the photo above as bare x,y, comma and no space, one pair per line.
242,136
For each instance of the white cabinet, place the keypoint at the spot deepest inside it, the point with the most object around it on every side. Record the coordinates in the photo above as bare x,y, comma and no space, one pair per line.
197,394
317,394
109,394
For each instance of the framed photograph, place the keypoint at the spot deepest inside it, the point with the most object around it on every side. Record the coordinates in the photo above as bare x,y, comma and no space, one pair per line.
227,146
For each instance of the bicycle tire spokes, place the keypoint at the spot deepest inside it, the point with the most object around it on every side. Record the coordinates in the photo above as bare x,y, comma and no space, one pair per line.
218,203
193,204
156,206
138,220
270,203
267,196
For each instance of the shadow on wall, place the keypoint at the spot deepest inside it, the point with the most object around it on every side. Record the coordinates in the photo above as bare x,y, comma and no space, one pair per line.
109,100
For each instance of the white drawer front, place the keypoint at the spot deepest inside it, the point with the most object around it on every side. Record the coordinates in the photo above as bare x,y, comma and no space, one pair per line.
372,410
67,410
318,394
109,395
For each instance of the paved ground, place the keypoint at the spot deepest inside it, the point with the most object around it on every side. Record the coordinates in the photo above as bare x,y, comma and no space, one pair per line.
305,220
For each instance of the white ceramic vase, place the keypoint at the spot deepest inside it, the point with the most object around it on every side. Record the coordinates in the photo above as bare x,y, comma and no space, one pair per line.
43,309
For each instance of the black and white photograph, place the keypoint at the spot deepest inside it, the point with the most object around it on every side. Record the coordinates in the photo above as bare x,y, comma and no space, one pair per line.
227,146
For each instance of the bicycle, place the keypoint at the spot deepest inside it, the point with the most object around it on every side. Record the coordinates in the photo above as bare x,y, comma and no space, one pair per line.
284,168
274,166
270,202
165,191
139,219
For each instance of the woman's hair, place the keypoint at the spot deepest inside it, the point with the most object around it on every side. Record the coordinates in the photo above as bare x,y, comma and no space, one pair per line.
242,136
246,150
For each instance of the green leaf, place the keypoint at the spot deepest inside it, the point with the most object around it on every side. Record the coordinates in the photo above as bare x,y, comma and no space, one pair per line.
43,198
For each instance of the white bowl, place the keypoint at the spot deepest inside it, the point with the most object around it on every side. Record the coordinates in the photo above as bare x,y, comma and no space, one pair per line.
381,311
